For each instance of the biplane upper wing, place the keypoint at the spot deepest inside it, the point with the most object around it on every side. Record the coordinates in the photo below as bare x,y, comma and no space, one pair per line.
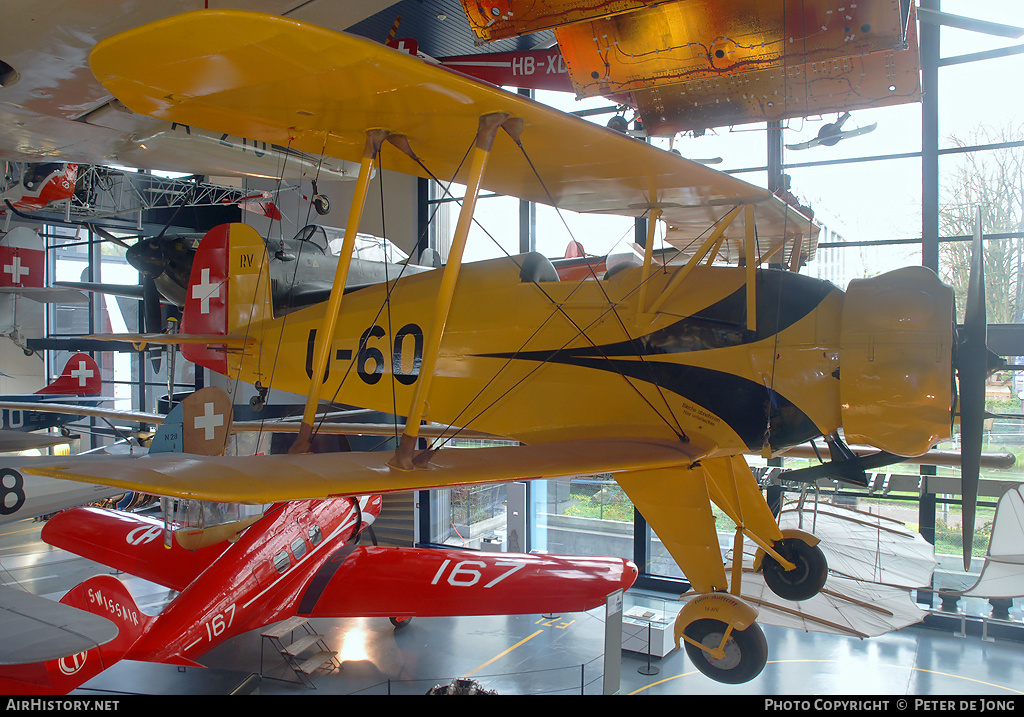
319,91
267,479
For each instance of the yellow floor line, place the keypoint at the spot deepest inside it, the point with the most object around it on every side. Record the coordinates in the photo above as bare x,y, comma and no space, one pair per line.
778,662
502,654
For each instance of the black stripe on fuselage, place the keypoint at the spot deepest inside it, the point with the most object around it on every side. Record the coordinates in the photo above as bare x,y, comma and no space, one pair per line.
755,412
322,578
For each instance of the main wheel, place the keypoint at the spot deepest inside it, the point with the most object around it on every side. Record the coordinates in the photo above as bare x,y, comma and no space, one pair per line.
802,582
400,622
746,651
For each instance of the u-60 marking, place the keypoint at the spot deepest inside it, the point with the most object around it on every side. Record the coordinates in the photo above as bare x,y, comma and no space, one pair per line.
370,358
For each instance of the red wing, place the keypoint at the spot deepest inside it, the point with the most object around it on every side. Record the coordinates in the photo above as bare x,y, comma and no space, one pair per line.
421,582
130,543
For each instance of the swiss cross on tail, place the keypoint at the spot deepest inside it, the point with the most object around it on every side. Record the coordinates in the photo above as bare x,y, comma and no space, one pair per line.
22,259
81,376
228,290
206,303
199,426
207,419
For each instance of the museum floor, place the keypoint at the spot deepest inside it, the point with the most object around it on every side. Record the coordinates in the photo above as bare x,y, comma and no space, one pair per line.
534,654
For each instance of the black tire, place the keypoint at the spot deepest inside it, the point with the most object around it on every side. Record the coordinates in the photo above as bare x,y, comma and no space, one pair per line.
619,124
400,622
321,204
805,580
746,652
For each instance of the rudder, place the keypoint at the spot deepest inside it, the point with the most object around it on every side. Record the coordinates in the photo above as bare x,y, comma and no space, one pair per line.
81,376
102,595
228,290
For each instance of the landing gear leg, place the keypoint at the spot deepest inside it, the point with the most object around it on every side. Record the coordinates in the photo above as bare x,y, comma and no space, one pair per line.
257,402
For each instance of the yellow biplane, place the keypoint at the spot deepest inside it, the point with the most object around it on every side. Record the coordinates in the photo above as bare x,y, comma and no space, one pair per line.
664,376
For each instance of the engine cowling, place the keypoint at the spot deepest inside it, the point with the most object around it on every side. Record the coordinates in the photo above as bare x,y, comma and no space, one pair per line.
896,361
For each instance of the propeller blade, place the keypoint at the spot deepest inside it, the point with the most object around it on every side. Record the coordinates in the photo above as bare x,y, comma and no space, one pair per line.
107,236
972,371
153,318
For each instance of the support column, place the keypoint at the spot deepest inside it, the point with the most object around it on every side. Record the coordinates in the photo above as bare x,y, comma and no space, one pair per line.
930,140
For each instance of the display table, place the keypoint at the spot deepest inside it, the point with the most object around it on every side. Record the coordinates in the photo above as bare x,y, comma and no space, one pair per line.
648,618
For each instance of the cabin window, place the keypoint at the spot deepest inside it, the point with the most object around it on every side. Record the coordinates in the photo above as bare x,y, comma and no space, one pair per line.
315,536
298,547
282,561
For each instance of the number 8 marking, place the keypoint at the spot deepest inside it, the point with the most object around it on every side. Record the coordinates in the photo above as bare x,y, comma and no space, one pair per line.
17,490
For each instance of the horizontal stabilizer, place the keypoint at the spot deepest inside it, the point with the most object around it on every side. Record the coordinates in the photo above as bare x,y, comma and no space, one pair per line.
36,629
21,441
47,294
422,582
133,291
130,543
143,340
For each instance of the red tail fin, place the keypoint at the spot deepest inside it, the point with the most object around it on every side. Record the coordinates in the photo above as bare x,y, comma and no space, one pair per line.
81,376
229,287
102,595
107,596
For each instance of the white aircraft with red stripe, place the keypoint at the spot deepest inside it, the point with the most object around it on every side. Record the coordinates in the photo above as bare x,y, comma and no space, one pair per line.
40,185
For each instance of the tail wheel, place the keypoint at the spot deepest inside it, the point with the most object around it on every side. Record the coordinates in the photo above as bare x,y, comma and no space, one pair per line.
746,651
321,204
802,582
400,622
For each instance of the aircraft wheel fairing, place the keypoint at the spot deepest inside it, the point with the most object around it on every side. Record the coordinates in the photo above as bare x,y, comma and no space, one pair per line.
805,580
746,651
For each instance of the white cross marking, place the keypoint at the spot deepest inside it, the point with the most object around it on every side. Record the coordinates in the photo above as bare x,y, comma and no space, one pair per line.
82,373
204,291
15,269
209,421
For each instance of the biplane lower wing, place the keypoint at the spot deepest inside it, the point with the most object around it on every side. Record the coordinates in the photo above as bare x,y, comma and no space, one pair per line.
268,479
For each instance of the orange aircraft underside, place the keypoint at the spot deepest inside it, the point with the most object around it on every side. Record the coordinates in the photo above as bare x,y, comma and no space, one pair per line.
694,64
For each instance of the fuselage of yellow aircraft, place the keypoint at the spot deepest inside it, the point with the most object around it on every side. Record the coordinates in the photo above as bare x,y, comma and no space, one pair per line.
543,361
